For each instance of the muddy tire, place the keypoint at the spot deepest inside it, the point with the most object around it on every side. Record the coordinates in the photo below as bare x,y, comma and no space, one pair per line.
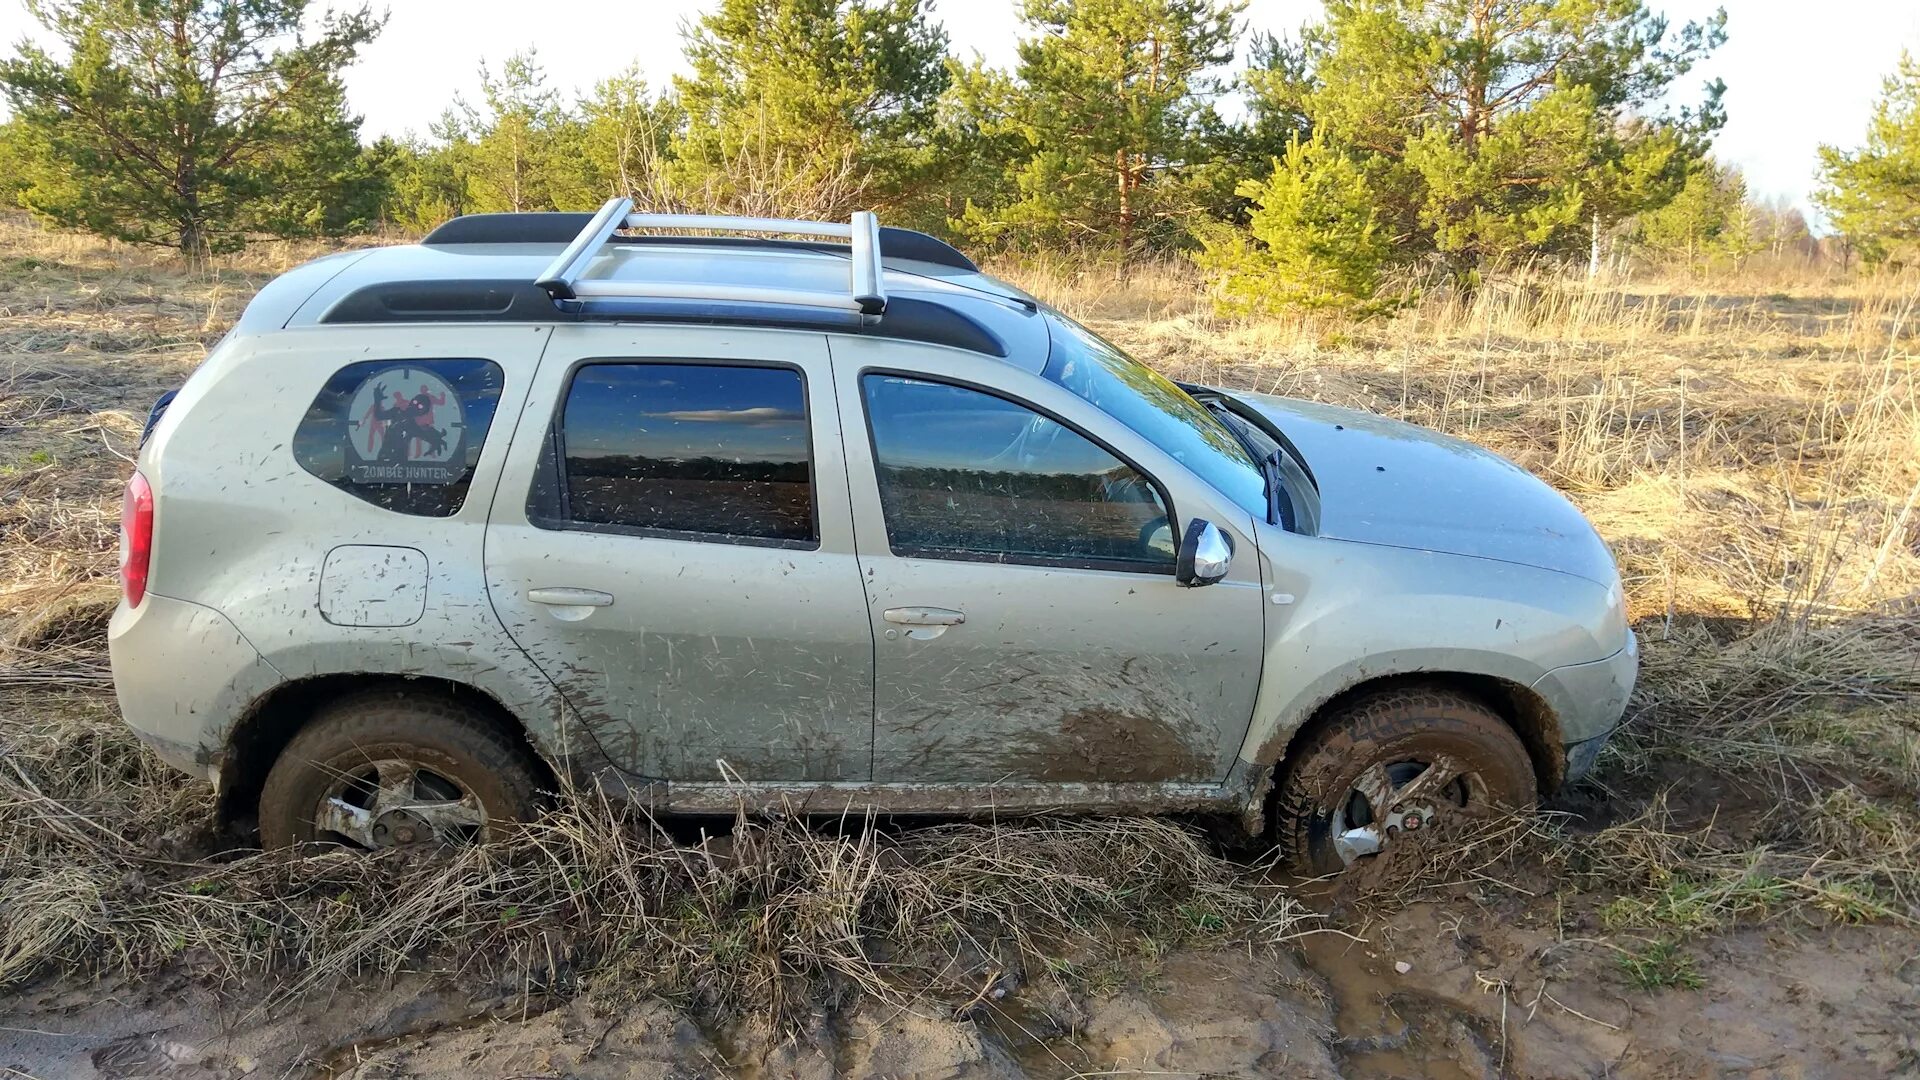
1449,752
391,768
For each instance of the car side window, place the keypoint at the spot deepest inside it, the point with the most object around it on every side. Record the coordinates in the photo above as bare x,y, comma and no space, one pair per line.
401,434
699,450
965,474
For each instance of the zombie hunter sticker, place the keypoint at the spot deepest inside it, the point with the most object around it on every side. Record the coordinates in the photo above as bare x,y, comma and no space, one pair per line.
405,426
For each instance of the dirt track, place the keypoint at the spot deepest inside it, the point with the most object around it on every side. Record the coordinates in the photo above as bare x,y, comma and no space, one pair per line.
1481,998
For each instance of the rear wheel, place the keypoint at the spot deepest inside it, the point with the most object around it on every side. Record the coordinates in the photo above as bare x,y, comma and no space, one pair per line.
393,769
1393,763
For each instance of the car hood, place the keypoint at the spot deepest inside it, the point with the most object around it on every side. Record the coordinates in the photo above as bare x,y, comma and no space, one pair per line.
1385,482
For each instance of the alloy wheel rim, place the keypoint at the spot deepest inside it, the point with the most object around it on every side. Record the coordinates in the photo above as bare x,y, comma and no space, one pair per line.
1389,799
395,802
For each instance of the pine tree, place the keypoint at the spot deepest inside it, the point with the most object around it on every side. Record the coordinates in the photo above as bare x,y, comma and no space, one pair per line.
1709,219
516,138
1212,182
192,124
809,107
1495,132
1313,239
431,178
1873,193
624,138
15,158
1111,99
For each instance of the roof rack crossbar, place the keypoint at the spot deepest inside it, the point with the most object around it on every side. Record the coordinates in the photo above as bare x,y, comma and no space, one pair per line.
866,290
560,275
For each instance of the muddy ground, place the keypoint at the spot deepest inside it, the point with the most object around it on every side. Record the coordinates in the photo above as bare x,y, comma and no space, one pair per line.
1454,989
1509,964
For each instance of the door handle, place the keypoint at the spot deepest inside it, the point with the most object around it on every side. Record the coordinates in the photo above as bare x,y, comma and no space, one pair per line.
564,597
924,616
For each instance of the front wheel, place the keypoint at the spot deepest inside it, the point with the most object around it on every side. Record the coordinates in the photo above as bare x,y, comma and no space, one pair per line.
392,768
1390,763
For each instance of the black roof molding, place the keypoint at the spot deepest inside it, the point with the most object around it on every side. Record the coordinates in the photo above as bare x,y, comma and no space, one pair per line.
559,228
908,318
547,228
446,301
920,247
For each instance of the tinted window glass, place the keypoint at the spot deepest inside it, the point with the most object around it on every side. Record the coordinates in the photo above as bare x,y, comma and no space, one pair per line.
963,473
689,448
403,435
1156,410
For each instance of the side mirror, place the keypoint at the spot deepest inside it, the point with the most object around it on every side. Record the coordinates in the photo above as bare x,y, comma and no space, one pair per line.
1205,555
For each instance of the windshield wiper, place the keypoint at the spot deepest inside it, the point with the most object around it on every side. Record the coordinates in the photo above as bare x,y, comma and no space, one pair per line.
1279,503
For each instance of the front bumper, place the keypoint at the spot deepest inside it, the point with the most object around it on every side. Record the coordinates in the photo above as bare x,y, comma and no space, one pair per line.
184,675
1589,700
1582,755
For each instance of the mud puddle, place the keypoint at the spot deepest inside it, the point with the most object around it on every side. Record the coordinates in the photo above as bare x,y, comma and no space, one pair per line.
1383,1027
1036,1036
1485,993
344,1060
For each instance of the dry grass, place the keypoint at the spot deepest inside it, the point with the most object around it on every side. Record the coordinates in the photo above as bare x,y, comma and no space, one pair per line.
103,868
1751,449
1851,864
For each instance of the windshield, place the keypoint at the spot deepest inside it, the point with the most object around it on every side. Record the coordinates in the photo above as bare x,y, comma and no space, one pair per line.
1156,410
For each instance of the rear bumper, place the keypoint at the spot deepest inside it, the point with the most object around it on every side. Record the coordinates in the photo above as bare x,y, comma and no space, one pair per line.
184,675
1589,700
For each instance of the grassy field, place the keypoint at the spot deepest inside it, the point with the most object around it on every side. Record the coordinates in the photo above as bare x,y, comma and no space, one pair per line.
1749,446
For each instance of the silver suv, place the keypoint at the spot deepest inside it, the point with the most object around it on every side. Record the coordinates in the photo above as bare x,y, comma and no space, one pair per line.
661,504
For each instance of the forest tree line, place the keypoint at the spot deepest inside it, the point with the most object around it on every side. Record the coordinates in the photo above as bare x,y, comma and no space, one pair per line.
1386,138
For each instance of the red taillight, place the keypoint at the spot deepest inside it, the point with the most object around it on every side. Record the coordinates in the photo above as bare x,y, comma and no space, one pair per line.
136,538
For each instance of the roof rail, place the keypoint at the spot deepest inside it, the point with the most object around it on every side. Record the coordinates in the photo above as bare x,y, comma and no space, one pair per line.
470,300
565,279
557,227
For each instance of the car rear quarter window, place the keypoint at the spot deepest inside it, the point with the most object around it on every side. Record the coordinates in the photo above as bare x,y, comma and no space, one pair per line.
965,474
401,434
705,451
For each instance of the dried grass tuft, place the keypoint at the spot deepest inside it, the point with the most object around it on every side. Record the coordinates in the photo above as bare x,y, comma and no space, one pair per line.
772,919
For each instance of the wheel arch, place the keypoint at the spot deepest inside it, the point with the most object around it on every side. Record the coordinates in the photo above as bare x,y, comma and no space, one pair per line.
1529,715
273,719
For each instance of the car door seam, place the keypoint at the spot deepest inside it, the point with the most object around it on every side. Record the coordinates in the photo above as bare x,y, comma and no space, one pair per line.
564,707
860,569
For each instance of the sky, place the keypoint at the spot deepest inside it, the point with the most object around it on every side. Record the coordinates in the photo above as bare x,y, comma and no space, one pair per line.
1798,74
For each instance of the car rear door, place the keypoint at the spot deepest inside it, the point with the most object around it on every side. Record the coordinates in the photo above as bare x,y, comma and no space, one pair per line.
672,544
1019,574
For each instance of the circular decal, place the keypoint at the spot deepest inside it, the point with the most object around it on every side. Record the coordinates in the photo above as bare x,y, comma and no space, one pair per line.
405,426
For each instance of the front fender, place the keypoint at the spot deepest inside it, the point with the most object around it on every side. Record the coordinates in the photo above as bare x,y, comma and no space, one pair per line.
1287,714
1343,614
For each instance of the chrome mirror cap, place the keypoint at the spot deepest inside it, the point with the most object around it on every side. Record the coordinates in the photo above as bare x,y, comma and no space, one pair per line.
1205,555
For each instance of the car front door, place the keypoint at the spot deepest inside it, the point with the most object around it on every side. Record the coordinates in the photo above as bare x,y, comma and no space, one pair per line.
672,544
1018,555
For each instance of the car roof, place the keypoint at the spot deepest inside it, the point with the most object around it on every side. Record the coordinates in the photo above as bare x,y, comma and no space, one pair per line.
945,302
